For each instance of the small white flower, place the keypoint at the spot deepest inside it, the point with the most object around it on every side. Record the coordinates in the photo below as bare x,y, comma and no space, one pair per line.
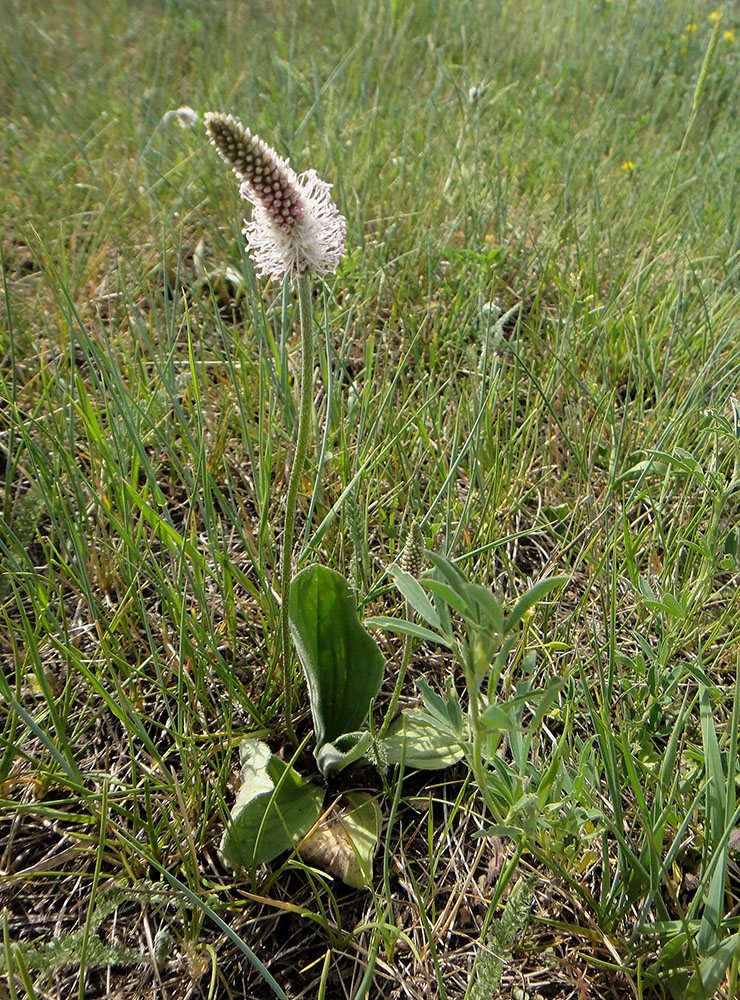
184,116
295,228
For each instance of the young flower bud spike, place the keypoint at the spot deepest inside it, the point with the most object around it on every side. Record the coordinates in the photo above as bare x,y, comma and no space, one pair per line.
412,557
295,228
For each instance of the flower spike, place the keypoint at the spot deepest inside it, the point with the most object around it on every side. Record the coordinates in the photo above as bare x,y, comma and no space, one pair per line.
296,228
414,551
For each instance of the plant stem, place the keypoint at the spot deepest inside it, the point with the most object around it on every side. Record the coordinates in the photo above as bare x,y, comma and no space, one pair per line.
305,401
407,643
476,730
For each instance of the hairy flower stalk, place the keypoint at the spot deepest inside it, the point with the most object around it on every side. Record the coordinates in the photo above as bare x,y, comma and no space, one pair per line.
296,231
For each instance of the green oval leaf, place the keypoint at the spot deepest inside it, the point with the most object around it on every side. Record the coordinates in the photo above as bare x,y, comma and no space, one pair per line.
414,739
341,661
274,809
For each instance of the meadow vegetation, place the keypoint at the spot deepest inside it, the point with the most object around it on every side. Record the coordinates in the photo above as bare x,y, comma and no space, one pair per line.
531,348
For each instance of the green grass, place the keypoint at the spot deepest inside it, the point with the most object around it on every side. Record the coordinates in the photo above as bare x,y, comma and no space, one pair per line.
146,421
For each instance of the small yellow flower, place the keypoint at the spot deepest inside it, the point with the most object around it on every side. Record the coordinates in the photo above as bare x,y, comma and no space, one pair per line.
628,165
683,39
729,36
691,28
715,16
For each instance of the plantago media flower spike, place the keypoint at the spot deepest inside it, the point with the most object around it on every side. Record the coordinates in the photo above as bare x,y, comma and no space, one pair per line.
412,557
296,228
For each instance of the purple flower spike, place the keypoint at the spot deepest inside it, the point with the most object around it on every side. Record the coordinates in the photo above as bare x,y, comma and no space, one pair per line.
296,228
